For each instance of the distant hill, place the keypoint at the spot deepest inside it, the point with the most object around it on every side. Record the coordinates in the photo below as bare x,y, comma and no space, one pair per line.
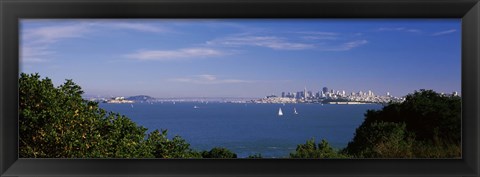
141,98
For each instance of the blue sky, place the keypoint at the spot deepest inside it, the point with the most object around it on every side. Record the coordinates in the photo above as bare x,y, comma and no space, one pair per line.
244,58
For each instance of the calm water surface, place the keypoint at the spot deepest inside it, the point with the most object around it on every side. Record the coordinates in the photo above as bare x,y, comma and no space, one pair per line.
248,129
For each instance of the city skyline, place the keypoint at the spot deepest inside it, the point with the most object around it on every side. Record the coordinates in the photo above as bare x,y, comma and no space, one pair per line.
244,58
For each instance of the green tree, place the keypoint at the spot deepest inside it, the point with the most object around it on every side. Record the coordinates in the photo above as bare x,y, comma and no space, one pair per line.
426,124
381,140
56,122
164,148
312,150
255,156
218,152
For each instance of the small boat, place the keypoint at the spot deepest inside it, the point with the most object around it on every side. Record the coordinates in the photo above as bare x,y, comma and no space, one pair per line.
195,107
295,111
174,102
280,113
131,105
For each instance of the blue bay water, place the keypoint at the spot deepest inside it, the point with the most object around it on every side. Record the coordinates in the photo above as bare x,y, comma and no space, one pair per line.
249,129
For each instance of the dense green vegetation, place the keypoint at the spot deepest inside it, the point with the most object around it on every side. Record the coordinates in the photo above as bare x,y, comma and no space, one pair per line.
219,153
312,150
426,125
56,122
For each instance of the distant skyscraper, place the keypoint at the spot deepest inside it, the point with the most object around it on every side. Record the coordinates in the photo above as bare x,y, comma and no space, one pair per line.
299,95
325,90
305,94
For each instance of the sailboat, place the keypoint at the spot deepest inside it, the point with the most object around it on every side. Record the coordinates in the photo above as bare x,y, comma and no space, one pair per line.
295,111
280,113
131,105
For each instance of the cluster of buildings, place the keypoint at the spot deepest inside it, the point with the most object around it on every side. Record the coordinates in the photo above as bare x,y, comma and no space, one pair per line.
326,96
118,100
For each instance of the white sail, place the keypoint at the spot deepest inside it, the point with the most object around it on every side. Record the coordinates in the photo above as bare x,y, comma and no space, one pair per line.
295,111
280,113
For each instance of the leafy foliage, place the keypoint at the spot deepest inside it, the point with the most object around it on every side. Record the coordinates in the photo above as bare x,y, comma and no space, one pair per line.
55,122
312,150
165,148
426,124
255,156
381,140
218,152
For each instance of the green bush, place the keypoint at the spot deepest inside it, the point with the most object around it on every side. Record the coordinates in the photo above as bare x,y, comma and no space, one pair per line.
312,150
426,125
218,152
381,140
164,148
55,122
255,156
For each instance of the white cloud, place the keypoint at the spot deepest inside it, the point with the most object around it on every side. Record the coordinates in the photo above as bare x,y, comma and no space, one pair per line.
353,44
161,55
319,35
444,32
345,46
136,27
37,42
34,54
208,79
261,41
51,34
401,29
278,43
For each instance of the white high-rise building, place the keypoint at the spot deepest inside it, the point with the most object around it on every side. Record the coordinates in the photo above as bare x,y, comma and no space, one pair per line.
305,94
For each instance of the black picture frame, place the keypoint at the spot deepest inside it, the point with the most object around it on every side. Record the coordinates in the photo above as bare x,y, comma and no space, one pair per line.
13,10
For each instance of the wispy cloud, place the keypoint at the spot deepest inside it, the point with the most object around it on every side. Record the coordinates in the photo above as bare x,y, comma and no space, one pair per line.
344,46
51,34
208,79
138,27
34,54
37,42
318,35
186,53
401,29
444,32
271,42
